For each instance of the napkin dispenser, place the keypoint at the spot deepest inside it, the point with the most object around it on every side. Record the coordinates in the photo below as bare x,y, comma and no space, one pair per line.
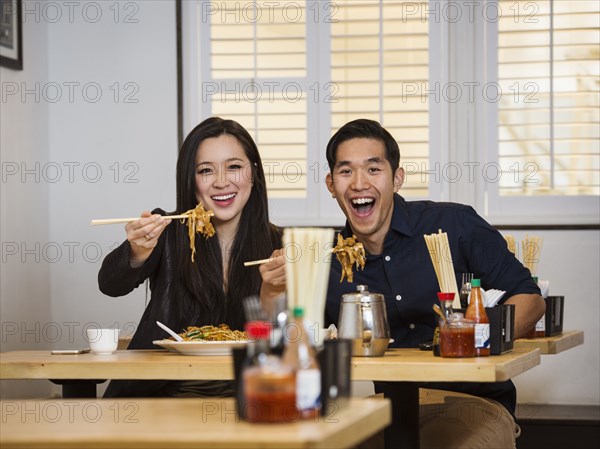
502,327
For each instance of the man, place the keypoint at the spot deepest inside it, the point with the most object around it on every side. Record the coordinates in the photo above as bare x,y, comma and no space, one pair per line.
365,175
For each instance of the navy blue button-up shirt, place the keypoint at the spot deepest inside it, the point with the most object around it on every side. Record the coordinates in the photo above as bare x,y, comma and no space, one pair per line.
404,274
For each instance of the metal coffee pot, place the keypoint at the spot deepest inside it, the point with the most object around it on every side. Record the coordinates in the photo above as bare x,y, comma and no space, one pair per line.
363,319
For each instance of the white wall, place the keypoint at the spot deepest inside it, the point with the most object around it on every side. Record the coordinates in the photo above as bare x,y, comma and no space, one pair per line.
24,131
98,155
570,260
126,147
59,292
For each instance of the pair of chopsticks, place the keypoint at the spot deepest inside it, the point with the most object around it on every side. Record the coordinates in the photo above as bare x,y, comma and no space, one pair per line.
257,262
106,221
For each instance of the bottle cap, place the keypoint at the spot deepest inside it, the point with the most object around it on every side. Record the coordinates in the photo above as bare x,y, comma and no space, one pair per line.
476,283
258,330
298,312
445,296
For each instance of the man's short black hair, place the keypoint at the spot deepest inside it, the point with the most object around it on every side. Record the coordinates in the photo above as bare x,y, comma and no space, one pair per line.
366,129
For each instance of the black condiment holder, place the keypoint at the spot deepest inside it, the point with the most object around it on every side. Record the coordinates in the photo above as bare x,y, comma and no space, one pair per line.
336,382
555,312
502,327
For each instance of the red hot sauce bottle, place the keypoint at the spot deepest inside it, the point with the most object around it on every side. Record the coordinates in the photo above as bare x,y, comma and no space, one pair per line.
476,312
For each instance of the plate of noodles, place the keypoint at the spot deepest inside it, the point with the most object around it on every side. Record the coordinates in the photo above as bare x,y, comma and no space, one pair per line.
206,340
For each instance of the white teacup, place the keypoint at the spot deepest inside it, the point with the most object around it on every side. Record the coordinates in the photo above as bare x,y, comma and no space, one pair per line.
103,341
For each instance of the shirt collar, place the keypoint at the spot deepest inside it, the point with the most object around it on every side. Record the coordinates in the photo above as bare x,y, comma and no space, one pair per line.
400,216
399,221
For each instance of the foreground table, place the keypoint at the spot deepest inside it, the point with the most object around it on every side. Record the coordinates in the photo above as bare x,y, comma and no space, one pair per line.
552,345
178,423
402,368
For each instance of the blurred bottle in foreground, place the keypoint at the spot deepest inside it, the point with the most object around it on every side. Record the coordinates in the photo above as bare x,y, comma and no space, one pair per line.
299,354
269,387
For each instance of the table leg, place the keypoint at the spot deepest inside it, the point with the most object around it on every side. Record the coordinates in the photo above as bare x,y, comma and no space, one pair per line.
403,432
73,388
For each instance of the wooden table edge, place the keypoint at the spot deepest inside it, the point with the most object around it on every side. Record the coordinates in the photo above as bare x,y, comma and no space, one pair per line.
424,369
554,344
378,417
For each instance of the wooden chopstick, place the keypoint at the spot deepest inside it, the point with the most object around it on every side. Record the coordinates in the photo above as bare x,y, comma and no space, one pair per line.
129,220
257,262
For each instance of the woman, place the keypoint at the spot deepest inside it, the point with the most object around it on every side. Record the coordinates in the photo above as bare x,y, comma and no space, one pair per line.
218,165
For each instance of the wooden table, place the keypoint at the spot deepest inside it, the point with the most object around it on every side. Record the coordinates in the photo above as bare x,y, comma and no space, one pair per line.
552,345
402,369
178,423
411,365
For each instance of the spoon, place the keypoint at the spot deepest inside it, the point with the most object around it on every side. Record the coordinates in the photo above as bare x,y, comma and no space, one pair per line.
437,310
169,331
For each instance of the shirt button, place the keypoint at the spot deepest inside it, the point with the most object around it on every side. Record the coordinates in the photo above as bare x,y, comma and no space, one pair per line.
388,258
398,297
411,325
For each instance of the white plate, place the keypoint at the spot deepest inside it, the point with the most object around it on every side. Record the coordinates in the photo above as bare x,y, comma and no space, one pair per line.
201,347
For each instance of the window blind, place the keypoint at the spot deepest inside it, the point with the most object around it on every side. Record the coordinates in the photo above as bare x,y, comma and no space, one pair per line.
379,70
379,64
258,70
549,74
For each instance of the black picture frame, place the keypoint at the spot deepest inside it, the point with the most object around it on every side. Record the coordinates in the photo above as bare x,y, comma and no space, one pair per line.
11,34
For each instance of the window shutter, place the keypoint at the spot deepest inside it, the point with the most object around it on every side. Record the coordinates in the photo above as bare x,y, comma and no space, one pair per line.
258,69
548,71
379,63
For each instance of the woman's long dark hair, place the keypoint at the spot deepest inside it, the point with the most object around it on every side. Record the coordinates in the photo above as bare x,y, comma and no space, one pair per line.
200,295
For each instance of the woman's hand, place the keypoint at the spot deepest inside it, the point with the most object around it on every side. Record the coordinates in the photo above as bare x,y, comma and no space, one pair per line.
273,279
143,235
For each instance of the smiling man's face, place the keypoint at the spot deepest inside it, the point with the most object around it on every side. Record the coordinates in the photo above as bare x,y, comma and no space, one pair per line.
363,185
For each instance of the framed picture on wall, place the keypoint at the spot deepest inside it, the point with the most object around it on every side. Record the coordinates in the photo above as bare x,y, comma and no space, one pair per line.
11,40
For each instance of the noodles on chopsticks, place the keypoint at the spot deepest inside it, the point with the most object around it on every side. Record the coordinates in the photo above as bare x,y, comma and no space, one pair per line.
307,264
198,221
349,252
441,257
532,248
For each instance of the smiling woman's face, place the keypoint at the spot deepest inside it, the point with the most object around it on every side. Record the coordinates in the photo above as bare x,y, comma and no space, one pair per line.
223,178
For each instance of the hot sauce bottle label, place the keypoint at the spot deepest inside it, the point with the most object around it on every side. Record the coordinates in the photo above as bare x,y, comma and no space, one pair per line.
308,388
541,324
482,335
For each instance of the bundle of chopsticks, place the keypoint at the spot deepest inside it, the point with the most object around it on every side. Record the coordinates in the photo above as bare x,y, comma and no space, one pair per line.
307,264
441,257
531,249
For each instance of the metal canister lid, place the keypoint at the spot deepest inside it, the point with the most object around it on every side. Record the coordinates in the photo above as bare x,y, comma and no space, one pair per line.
362,294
